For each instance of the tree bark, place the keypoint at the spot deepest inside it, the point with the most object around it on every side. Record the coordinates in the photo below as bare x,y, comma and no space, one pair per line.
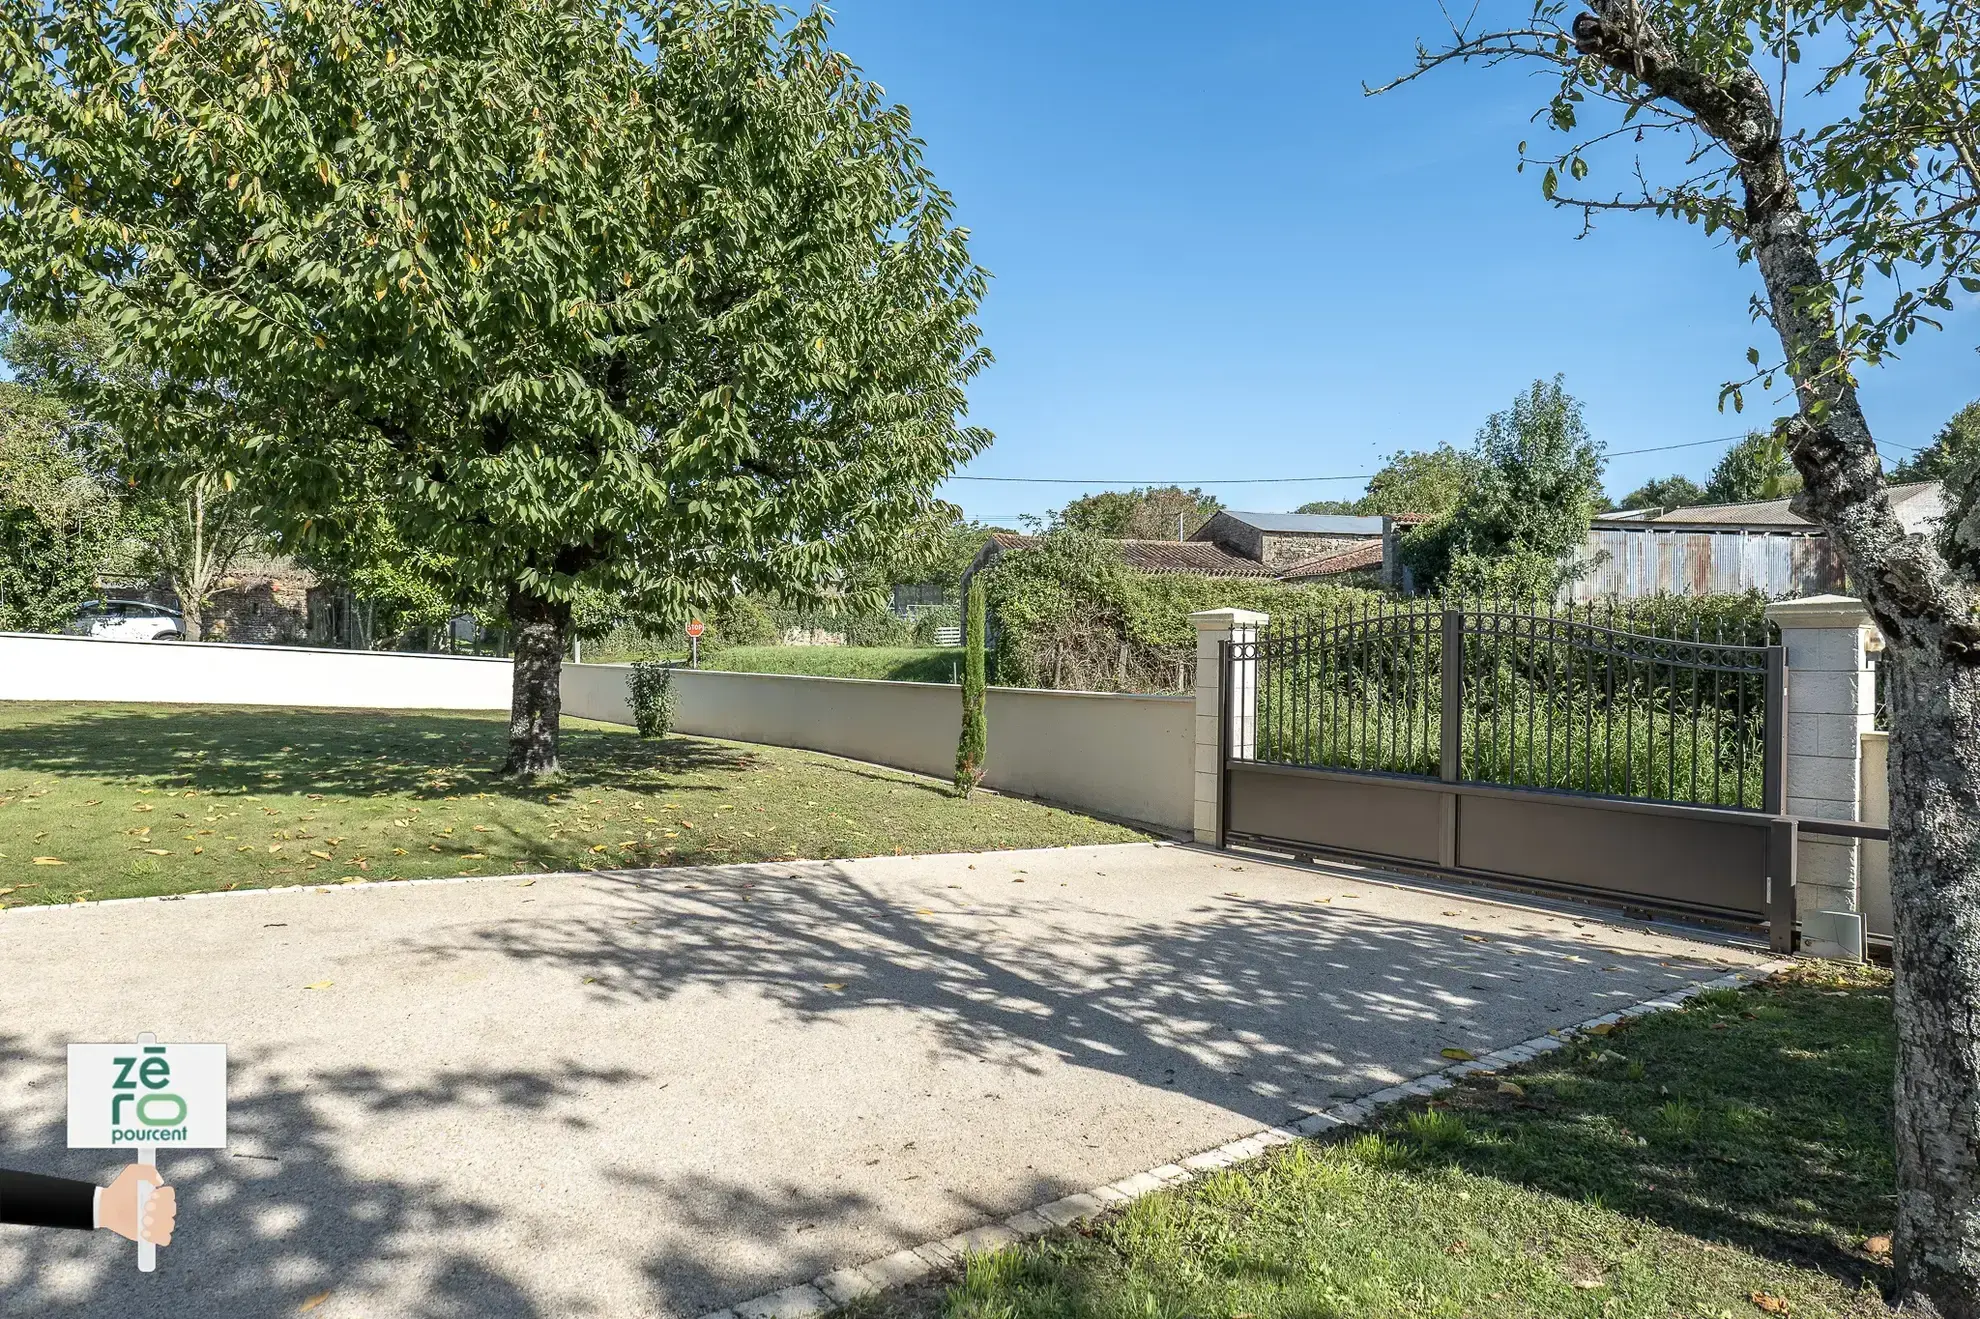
537,627
190,612
1933,647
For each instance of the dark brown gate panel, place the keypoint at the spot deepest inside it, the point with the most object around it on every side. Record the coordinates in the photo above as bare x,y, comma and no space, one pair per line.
1371,816
1683,858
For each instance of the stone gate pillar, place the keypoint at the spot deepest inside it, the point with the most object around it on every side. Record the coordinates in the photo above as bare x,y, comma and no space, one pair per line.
1831,704
1214,627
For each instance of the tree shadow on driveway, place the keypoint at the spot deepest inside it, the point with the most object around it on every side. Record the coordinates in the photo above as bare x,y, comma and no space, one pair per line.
279,1218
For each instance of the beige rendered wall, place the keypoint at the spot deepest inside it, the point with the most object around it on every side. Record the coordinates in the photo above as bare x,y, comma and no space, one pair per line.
1874,869
1122,756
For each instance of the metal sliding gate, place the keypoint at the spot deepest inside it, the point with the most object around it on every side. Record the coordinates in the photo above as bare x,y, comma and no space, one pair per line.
1571,749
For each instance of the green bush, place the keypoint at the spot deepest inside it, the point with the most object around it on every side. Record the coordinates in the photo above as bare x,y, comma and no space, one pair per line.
928,620
973,744
740,621
876,630
650,690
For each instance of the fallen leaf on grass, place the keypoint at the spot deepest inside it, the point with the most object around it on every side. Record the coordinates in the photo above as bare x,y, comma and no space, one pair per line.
1607,1027
1771,1303
321,984
50,861
474,856
324,855
1457,1055
158,851
1511,1088
143,806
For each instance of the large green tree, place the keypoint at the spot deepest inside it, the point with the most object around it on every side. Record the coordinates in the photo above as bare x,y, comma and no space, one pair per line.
59,514
1953,453
1521,517
183,513
1756,468
652,298
1665,492
1423,482
1858,217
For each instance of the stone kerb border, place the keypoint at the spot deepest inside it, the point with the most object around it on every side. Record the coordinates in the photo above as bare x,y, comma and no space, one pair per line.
820,1296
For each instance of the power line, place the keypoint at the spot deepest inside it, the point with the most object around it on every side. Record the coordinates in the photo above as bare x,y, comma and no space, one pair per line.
1309,480
1291,480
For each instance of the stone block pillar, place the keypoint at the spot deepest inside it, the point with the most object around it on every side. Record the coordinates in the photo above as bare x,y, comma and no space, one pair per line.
1831,704
1213,628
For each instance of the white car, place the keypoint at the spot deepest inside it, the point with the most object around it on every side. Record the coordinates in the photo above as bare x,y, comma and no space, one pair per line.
127,620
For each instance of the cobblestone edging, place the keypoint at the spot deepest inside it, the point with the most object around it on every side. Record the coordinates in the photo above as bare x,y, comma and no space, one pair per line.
821,1295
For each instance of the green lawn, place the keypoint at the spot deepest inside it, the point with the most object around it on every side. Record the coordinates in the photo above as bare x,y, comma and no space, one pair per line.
896,663
1730,1159
113,802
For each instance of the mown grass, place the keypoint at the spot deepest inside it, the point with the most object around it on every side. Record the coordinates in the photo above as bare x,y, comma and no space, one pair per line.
1731,1159
893,663
113,802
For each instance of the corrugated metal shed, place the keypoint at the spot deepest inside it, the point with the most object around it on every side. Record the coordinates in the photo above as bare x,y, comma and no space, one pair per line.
1647,559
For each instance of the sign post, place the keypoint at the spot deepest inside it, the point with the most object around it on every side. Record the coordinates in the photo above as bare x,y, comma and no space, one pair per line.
694,631
141,1096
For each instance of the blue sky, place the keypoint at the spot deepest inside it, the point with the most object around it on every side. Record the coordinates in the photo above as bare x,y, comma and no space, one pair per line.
1215,258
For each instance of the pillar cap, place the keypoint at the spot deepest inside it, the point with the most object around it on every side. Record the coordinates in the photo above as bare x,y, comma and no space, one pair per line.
1223,620
1836,611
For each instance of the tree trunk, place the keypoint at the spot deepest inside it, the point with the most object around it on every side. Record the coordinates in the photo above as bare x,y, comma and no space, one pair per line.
1935,907
1932,642
191,615
537,629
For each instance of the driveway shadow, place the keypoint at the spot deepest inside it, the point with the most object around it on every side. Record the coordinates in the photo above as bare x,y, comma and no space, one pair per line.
278,1218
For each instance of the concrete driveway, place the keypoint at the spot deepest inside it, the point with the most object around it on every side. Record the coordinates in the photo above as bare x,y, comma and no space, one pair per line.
658,1093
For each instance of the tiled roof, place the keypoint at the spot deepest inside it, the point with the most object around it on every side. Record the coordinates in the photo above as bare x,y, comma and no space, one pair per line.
1165,556
1355,558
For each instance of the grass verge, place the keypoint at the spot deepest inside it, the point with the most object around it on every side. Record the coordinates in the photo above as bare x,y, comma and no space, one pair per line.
136,801
1731,1159
892,663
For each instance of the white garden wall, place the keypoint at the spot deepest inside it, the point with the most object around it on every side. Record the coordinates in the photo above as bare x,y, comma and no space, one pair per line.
1117,755
35,667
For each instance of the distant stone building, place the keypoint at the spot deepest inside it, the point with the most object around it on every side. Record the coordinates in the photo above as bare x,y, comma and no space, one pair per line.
263,600
1280,540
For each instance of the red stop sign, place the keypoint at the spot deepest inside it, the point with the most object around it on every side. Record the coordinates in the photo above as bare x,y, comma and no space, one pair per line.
695,628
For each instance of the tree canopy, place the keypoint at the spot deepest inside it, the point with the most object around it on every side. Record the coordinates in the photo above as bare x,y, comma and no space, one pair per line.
1954,451
1151,513
1756,468
657,299
1424,482
1666,492
1536,477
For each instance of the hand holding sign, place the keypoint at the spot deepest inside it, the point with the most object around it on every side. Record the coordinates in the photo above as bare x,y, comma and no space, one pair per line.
137,1097
118,1208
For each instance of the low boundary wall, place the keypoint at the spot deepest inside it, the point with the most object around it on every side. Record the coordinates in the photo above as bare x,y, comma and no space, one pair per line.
1124,756
1875,867
39,667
